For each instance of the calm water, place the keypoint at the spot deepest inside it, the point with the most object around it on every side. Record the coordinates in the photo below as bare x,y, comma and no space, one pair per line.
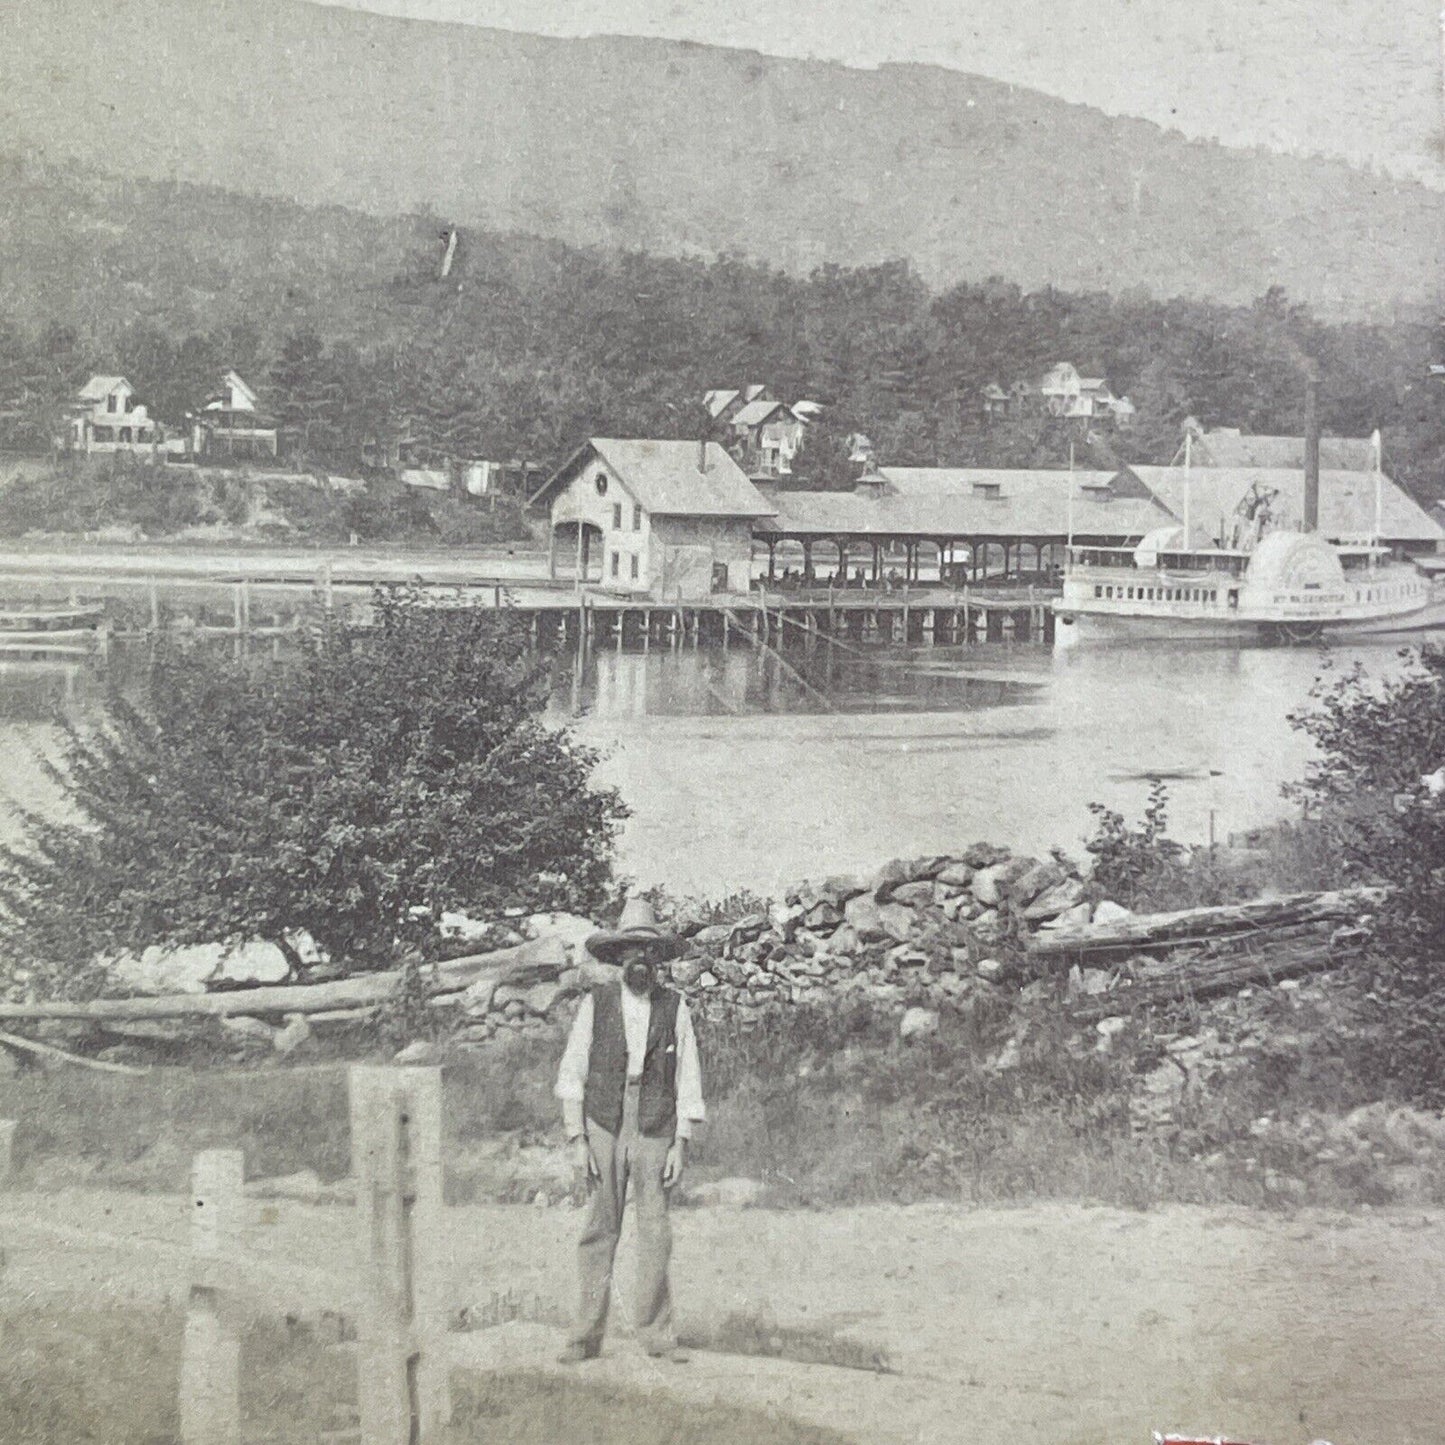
745,772
739,776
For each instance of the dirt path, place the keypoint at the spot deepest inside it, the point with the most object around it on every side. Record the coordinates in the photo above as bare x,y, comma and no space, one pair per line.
1060,1325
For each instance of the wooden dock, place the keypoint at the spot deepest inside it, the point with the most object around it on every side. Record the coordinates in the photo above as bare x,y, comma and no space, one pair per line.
267,595
934,617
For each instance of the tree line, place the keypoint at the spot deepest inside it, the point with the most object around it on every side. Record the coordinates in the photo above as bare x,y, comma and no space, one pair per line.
527,347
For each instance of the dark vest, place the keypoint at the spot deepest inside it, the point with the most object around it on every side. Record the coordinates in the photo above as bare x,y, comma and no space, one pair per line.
607,1064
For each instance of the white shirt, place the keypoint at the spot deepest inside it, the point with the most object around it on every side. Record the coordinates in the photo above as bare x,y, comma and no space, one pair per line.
636,1015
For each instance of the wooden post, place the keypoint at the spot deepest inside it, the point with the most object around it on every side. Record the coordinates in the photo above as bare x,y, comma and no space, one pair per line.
403,1389
210,1391
7,1150
155,592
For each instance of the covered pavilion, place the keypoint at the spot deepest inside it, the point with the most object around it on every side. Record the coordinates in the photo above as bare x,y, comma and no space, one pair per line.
970,524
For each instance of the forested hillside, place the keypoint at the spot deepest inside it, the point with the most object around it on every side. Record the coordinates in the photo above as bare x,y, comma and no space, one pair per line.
683,149
528,345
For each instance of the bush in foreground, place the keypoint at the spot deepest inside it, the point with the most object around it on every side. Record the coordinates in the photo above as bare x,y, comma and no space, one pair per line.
381,772
1378,785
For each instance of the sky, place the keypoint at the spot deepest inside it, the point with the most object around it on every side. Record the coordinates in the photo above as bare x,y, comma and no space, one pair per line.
1355,78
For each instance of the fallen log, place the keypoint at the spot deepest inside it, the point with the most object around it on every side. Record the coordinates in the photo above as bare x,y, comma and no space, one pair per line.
1143,931
540,960
1199,979
49,1051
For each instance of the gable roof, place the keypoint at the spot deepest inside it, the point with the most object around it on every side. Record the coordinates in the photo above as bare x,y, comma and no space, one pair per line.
943,502
717,402
755,413
929,481
1228,448
1347,500
100,387
663,476
234,381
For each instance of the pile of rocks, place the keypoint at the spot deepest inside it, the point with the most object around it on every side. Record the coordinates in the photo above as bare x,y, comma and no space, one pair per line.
918,935
915,937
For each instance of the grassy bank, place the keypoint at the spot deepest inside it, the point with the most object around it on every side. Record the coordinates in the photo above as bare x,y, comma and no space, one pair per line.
831,1107
125,499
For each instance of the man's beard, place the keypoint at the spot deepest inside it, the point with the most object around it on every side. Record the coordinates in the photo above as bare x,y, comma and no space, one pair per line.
637,976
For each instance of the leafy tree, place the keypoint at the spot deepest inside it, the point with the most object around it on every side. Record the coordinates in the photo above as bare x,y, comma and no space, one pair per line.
384,771
1376,786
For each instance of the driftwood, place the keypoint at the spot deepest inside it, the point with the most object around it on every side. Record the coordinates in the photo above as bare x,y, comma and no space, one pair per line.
1203,978
49,1051
540,960
1142,931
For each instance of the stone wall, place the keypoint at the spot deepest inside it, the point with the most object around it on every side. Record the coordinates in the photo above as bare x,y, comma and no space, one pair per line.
922,934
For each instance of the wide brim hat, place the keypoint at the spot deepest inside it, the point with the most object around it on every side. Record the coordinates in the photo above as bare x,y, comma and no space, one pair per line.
636,928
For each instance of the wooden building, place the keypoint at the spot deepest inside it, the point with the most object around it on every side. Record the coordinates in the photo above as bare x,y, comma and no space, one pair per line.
671,520
230,425
1225,503
105,417
960,524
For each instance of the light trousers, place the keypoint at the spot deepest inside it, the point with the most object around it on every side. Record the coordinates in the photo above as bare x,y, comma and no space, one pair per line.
626,1160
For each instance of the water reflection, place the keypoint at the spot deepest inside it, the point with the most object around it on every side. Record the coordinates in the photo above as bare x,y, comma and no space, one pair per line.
744,769
716,683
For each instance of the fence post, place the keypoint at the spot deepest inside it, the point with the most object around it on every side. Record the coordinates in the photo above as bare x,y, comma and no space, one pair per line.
7,1150
403,1388
210,1393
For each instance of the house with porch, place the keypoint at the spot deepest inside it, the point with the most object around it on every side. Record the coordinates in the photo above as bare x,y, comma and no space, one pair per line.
767,435
106,418
230,425
669,520
1062,392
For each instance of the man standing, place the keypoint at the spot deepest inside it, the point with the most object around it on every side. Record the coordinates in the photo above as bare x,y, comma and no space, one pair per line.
631,1091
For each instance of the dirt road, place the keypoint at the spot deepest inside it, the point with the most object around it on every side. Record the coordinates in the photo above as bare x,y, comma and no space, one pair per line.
1049,1325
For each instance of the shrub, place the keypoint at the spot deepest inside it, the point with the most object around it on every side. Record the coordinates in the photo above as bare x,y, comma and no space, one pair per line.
380,776
1127,858
1378,743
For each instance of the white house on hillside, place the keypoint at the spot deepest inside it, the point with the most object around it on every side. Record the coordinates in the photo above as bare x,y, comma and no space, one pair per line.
104,417
230,424
670,520
1063,392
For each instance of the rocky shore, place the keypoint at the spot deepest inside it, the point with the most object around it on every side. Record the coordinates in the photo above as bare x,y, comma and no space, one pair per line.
918,936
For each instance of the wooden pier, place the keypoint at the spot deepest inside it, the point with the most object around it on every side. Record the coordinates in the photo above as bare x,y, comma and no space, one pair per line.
936,617
254,597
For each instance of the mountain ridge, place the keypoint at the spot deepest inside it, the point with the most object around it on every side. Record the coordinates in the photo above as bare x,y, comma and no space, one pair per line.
681,148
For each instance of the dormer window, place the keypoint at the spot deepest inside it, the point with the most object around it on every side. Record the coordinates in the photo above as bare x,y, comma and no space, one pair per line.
987,489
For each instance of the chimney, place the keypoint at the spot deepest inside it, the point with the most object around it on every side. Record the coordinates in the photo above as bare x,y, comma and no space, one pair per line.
702,454
1312,452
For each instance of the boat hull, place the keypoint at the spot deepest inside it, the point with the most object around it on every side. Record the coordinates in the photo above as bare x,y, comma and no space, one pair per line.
1075,628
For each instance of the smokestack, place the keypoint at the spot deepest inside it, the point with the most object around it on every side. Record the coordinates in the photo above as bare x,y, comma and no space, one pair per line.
702,454
1312,452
